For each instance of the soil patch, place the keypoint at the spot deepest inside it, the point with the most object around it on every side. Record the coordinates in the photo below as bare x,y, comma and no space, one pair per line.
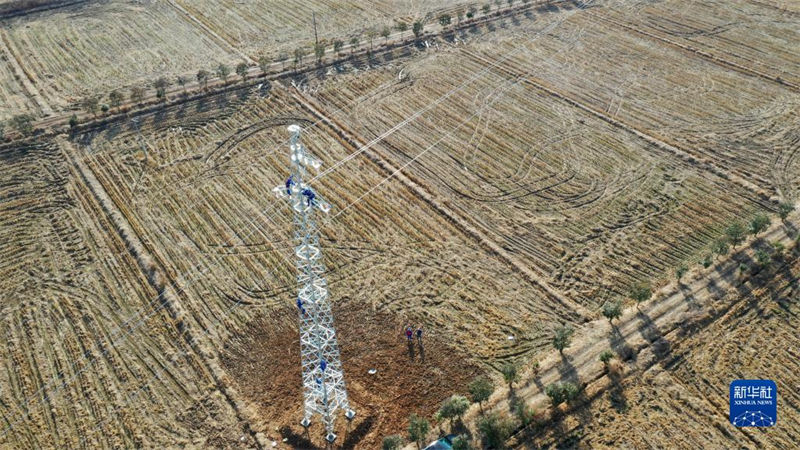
265,367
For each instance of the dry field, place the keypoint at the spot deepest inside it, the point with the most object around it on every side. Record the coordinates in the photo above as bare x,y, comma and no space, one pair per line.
748,332
76,371
270,27
93,48
13,98
82,49
560,174
509,178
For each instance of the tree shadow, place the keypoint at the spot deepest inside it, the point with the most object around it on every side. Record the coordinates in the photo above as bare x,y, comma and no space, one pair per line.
616,393
714,288
790,229
181,109
688,295
201,105
243,94
620,346
372,60
650,332
113,130
159,117
222,100
404,51
460,428
321,72
569,373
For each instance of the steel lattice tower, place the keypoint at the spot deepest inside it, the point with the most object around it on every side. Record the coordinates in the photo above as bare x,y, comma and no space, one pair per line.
323,377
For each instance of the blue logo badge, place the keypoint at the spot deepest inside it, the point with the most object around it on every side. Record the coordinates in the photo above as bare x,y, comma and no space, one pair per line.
754,403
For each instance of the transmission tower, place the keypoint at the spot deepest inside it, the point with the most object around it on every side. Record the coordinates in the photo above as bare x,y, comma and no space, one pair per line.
323,377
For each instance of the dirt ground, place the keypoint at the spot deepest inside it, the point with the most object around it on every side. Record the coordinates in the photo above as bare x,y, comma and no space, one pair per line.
264,365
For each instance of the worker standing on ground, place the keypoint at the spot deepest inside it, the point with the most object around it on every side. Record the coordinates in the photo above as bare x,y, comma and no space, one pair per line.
410,333
419,335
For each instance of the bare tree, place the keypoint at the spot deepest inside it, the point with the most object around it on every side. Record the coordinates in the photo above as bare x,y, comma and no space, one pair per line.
319,51
241,70
299,53
161,85
202,78
181,80
371,37
137,95
402,27
115,98
223,71
337,46
90,104
417,29
263,63
283,57
23,123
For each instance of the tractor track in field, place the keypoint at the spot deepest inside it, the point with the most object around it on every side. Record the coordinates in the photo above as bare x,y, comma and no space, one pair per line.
722,62
26,80
657,141
351,140
156,274
208,31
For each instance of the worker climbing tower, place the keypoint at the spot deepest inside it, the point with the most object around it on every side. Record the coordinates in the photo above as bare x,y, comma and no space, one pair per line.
323,377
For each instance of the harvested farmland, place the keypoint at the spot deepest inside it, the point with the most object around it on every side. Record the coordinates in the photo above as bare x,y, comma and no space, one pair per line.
91,49
721,340
243,24
77,363
13,98
529,186
592,207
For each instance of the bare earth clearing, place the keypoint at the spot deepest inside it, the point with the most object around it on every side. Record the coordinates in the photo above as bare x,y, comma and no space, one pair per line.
509,178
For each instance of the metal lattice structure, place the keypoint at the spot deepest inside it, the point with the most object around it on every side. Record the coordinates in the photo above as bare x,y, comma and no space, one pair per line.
323,377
